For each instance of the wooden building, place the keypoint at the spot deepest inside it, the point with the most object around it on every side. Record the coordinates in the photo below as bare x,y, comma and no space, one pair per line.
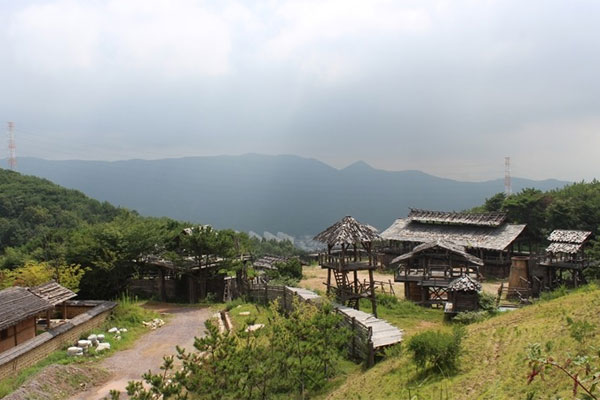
485,235
347,242
185,280
463,295
56,295
429,268
19,308
565,258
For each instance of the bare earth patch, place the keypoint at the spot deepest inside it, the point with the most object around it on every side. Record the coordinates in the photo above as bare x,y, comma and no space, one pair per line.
147,353
314,277
59,382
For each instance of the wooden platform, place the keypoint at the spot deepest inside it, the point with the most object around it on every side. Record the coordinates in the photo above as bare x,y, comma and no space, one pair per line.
304,294
384,333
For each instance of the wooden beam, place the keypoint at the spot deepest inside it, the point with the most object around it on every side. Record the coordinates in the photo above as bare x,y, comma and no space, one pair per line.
373,301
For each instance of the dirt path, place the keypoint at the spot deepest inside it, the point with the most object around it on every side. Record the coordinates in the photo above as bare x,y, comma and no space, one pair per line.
148,351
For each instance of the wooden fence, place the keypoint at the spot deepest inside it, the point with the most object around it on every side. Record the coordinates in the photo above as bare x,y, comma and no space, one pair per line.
360,347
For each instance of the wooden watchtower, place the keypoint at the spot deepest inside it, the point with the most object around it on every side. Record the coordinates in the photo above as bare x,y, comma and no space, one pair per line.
347,242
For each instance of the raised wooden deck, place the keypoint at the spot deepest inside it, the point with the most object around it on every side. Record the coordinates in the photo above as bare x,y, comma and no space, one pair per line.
383,333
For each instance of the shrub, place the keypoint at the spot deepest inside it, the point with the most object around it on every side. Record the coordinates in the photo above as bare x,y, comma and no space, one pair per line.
487,301
436,350
469,317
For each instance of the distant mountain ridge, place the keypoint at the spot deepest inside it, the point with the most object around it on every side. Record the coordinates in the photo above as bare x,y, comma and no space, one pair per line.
296,195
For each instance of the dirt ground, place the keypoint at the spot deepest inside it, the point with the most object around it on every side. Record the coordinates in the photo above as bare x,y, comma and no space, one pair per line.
59,381
147,353
314,278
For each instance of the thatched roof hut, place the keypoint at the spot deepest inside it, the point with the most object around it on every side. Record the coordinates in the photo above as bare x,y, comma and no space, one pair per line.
347,231
464,284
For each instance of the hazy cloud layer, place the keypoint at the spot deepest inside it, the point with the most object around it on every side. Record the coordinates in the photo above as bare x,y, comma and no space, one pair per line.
448,87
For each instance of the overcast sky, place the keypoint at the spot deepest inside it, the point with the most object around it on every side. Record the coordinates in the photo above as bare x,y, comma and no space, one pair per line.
447,87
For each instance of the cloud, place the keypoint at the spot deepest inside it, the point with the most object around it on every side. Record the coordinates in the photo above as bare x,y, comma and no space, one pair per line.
158,37
449,87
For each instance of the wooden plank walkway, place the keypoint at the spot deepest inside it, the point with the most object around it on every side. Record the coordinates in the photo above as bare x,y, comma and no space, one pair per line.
384,333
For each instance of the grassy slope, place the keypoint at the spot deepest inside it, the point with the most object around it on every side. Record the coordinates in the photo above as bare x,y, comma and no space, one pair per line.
493,362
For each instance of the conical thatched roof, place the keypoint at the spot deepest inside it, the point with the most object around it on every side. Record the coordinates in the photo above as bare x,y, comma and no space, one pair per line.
347,231
464,284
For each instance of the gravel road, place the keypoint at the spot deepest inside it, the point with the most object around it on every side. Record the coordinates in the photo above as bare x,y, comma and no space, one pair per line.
148,351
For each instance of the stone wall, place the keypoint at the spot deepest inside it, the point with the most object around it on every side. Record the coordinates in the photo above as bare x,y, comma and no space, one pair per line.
38,348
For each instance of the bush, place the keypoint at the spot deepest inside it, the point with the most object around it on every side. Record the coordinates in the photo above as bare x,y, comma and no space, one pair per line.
469,317
436,350
487,301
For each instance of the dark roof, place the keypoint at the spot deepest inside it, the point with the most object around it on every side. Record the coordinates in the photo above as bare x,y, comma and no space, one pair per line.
18,304
268,262
53,293
464,284
568,248
484,237
569,236
457,218
448,246
347,231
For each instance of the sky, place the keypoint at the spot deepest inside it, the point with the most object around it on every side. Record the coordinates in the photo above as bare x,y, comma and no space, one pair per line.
446,87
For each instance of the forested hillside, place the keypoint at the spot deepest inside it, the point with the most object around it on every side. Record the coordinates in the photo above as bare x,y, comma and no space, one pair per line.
575,206
47,231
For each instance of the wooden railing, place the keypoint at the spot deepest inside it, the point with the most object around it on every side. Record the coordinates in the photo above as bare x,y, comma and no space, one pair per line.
339,260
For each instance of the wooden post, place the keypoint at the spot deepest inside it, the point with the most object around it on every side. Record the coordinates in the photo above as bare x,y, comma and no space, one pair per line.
354,337
355,253
64,310
328,280
266,294
48,325
163,290
355,281
371,349
15,332
373,301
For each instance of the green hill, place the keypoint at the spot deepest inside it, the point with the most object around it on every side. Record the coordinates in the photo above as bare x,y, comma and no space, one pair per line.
32,207
493,363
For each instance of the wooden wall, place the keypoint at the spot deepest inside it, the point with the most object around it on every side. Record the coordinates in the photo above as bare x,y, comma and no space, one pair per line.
24,330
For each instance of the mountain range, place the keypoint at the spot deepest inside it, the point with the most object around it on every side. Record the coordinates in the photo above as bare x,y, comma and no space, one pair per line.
252,192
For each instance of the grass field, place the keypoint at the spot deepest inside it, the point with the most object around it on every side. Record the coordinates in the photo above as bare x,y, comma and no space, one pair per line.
493,363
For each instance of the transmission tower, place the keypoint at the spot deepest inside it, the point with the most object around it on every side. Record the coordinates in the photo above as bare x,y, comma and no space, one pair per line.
12,147
507,184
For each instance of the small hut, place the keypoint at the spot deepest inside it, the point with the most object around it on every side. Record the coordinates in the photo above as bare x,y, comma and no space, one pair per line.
429,268
565,257
347,242
463,295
